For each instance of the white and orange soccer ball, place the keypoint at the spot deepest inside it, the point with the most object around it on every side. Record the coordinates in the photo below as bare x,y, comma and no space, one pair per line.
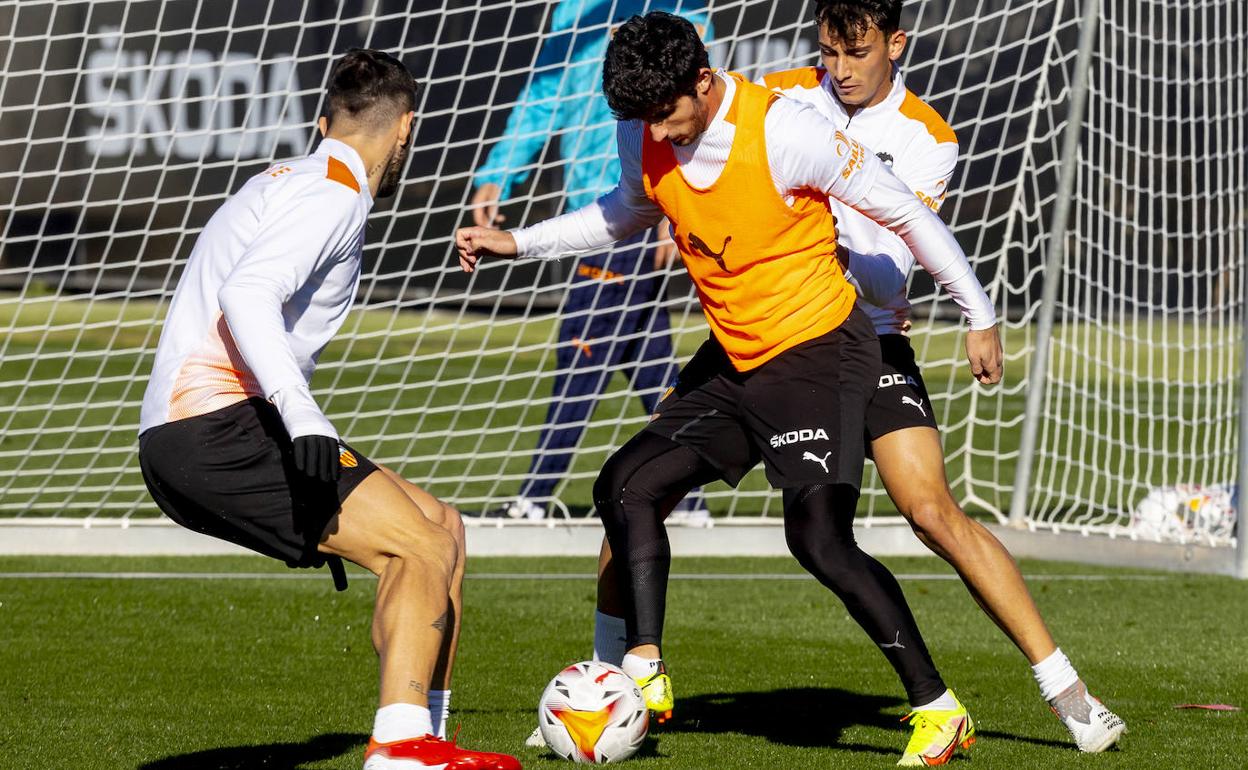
593,713
1187,513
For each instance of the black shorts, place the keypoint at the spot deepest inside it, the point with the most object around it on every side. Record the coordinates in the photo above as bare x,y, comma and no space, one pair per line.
900,399
231,474
803,412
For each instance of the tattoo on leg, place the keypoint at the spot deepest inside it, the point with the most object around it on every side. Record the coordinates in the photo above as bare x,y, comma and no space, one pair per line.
417,686
441,622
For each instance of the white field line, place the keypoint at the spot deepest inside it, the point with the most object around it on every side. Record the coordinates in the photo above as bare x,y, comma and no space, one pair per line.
314,575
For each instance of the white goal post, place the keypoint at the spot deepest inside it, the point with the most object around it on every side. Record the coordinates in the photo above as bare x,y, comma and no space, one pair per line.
1101,196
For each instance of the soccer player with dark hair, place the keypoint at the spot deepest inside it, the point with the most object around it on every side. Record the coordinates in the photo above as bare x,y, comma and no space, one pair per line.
232,443
860,88
746,178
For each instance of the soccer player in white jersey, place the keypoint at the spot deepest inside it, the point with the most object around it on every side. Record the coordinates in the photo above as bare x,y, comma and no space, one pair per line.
860,88
745,177
233,445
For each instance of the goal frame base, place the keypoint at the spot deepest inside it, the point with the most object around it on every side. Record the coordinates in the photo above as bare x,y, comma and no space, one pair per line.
756,537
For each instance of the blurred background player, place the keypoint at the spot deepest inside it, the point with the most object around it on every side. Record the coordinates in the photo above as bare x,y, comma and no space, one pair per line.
861,89
745,176
233,445
611,319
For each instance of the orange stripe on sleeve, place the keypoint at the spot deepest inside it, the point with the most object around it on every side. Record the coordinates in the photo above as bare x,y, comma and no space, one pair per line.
804,77
916,109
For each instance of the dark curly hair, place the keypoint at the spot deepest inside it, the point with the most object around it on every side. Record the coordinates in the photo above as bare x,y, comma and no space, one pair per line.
371,87
652,61
849,20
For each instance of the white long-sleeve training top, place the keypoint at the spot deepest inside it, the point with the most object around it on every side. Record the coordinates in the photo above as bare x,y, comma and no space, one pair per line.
920,148
268,284
802,153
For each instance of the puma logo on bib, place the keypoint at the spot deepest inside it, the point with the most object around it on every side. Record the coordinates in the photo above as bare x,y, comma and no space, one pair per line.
718,256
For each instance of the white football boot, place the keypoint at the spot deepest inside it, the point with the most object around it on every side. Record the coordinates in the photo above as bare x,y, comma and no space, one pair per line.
1094,727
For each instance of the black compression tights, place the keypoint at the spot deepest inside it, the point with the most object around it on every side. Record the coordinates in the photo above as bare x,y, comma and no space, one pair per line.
637,488
818,525
641,483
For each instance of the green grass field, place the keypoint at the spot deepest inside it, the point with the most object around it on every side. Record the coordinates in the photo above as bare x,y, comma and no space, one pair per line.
192,674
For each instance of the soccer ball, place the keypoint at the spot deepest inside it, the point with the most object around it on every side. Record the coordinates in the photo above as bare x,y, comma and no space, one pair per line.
593,713
1187,512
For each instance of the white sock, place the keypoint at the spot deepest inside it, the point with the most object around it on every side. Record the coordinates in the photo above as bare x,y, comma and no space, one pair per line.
1055,675
400,721
609,641
439,711
946,702
638,667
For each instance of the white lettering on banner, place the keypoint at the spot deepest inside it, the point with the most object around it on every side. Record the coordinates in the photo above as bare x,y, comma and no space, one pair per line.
795,436
192,104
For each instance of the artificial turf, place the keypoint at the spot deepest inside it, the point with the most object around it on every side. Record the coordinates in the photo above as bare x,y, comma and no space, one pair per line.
269,672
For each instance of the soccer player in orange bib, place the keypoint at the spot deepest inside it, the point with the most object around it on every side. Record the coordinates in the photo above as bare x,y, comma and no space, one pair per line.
233,445
746,178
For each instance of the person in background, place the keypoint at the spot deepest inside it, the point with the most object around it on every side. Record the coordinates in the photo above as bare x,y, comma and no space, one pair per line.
611,319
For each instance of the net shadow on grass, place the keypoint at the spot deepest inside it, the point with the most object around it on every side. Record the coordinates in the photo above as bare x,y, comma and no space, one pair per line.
806,717
272,756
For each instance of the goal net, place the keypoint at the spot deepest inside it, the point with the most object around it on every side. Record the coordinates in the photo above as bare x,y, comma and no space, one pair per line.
124,125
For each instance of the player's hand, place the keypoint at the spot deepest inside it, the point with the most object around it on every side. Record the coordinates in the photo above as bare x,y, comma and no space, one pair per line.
317,457
665,253
485,206
983,350
476,242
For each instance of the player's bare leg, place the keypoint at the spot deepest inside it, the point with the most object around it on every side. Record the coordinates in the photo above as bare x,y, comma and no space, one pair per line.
384,530
911,464
447,517
381,529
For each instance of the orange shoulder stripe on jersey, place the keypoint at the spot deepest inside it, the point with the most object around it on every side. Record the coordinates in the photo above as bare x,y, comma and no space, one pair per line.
341,173
805,77
916,109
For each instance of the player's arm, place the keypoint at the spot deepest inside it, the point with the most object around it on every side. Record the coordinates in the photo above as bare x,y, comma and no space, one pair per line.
528,127
893,204
808,151
880,274
875,277
623,212
299,233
